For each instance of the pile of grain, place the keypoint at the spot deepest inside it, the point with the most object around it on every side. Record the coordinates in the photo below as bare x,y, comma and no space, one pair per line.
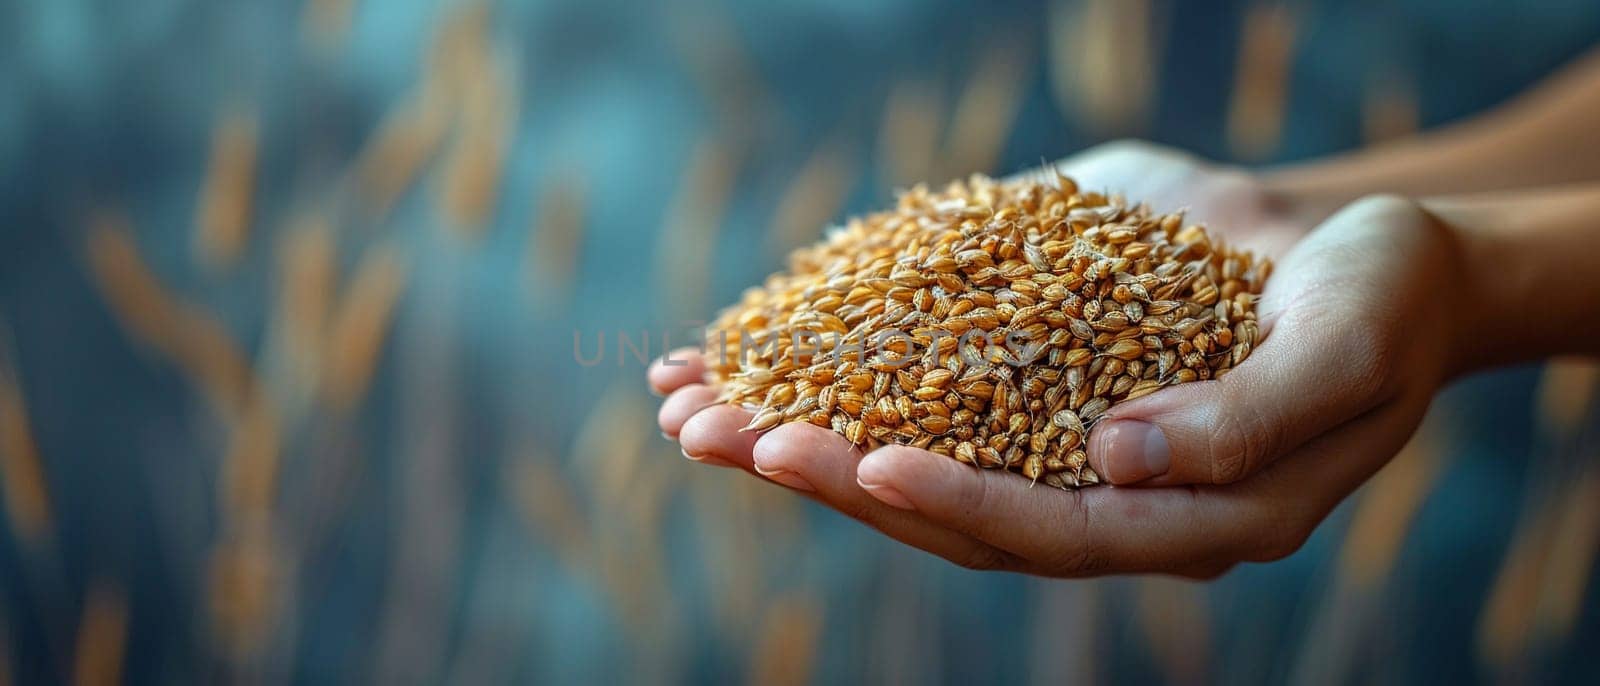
993,322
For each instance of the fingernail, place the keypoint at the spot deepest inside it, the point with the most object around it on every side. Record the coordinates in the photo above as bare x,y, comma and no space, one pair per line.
1134,451
888,495
706,459
790,479
669,437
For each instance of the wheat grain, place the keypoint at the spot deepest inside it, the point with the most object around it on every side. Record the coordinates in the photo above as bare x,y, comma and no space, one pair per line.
993,322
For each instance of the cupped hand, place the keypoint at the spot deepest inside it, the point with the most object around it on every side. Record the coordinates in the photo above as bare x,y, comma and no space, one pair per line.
1231,201
1357,336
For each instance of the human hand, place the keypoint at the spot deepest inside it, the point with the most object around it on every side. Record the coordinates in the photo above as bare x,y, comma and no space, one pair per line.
1231,201
1242,468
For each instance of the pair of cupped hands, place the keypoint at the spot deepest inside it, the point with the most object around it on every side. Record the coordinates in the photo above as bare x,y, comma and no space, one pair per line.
1355,341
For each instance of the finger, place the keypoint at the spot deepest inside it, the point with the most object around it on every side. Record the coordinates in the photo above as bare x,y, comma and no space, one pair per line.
683,404
713,436
1271,515
1065,533
1322,361
1297,492
676,369
1188,530
822,464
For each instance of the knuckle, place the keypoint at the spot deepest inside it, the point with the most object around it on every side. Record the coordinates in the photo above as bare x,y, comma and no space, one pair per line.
1244,439
976,499
1088,554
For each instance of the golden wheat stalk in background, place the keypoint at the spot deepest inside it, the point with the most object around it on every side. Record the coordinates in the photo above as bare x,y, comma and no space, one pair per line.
786,645
556,242
1176,618
1103,57
693,220
1261,87
307,281
222,217
985,111
397,152
469,182
908,137
717,57
22,475
1357,601
1571,565
1390,109
1551,542
360,326
814,197
102,636
191,337
326,22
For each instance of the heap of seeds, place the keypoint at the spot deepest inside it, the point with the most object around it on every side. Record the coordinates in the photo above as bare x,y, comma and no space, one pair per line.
994,323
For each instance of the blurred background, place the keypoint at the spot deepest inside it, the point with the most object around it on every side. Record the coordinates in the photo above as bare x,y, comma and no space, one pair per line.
288,296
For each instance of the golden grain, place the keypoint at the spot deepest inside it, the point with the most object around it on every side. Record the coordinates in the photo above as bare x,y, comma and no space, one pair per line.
1043,322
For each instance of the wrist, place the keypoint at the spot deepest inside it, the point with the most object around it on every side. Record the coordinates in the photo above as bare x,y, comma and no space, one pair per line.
1472,297
1527,274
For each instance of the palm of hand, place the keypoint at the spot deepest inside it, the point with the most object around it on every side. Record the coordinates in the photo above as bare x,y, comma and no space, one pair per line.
1231,202
1255,422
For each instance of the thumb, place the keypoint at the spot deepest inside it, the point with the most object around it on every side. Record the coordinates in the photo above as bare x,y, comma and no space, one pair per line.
1325,358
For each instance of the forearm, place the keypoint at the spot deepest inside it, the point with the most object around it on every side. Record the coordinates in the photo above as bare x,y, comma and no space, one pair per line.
1530,286
1545,137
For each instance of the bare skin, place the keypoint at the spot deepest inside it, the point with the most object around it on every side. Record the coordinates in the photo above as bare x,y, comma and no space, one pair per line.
1370,311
